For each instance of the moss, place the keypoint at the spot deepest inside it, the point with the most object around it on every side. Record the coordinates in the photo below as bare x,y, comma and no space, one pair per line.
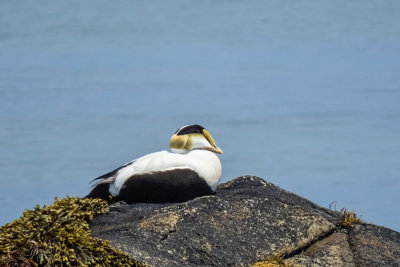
349,218
276,260
59,235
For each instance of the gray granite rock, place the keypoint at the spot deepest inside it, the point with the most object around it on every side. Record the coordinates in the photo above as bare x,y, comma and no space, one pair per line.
374,245
247,219
333,250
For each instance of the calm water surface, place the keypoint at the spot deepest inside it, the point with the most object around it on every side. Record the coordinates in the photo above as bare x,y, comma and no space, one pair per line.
304,94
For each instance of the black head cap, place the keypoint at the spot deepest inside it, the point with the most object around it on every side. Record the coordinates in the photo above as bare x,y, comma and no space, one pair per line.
189,129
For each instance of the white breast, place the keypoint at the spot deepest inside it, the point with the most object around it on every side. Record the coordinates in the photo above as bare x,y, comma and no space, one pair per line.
204,162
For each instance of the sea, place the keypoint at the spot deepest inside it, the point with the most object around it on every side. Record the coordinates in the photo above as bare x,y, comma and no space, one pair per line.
305,94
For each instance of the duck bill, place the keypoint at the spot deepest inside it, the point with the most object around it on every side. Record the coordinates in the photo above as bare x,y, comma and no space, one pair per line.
213,147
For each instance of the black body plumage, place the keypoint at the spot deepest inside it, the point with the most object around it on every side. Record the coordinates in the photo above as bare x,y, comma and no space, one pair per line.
176,185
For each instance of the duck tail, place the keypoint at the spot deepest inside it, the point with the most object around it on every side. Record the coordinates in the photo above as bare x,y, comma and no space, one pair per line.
100,191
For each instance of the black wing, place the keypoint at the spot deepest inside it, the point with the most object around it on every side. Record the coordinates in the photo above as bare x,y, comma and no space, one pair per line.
111,173
101,188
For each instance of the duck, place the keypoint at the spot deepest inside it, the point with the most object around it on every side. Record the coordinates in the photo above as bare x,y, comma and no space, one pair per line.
190,169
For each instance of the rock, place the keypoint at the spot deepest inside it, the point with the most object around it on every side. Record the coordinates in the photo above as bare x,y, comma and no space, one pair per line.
374,245
334,250
247,220
358,245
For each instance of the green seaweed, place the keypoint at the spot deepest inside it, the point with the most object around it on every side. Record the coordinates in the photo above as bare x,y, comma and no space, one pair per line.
59,235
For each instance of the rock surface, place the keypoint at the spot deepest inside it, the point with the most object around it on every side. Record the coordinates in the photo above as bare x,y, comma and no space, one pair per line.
334,250
374,245
247,220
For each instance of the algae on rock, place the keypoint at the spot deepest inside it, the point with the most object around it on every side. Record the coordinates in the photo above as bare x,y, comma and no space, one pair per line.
277,260
59,235
349,218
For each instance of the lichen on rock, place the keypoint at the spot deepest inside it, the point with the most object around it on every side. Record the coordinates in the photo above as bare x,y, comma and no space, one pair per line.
59,234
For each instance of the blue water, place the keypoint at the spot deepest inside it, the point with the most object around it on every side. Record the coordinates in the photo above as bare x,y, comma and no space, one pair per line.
305,94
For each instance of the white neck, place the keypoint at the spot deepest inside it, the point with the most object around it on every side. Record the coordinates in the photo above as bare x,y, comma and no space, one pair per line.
179,151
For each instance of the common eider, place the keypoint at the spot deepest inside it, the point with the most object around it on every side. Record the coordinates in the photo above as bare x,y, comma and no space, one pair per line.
190,170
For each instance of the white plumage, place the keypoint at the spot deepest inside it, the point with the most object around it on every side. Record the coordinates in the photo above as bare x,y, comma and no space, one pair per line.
163,173
203,162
